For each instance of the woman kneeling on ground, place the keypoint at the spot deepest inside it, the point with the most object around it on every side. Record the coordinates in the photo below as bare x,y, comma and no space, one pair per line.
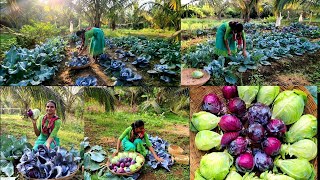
134,138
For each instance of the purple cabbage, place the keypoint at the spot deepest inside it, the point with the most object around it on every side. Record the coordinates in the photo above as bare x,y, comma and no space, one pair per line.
230,123
238,146
276,128
228,137
263,161
229,92
271,146
237,106
256,132
258,113
212,103
245,162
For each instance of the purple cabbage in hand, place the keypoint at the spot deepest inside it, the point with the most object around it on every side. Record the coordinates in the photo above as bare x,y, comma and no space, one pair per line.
259,113
228,137
212,103
256,132
238,146
230,123
262,161
245,162
276,128
229,92
271,146
237,106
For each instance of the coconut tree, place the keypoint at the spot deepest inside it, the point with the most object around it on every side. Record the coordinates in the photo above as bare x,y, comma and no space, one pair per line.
37,95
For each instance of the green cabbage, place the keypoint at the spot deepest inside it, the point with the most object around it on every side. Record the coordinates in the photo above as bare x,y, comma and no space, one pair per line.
299,169
270,176
250,176
248,93
36,113
305,148
233,175
197,175
215,165
304,128
206,140
289,106
267,94
204,120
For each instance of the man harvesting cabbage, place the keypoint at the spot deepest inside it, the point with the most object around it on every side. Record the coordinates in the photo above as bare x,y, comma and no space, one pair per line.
46,127
97,42
134,138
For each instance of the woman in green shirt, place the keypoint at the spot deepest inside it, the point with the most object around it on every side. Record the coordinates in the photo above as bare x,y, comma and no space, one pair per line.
134,138
47,126
97,42
227,35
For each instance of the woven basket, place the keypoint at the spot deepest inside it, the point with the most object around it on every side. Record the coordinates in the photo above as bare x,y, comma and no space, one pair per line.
189,81
62,178
196,97
129,173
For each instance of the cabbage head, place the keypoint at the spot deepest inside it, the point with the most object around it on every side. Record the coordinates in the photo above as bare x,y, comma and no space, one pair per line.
206,140
233,175
267,94
248,93
304,128
289,106
197,175
270,176
299,169
215,165
304,148
204,120
36,113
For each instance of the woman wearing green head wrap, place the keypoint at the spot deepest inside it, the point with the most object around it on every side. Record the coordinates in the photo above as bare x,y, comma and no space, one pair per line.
134,138
96,44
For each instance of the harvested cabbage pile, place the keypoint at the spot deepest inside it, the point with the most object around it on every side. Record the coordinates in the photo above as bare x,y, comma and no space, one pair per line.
45,163
262,132
78,61
160,147
126,162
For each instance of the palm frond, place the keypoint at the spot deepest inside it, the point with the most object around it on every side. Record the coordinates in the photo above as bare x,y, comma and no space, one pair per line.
103,95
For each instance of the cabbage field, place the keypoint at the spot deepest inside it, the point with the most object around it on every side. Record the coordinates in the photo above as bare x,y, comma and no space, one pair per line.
272,53
126,61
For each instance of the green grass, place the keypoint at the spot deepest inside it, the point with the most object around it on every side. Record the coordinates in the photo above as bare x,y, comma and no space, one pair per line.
151,33
117,122
6,41
196,23
70,133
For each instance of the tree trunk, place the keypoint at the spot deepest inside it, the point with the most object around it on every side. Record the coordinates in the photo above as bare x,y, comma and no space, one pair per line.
288,15
97,15
219,15
310,18
301,18
278,21
113,25
79,24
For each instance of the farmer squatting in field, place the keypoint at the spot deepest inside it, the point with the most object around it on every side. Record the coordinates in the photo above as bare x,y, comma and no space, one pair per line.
134,138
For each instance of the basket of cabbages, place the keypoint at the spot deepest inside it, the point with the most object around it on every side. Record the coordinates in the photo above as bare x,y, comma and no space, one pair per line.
126,163
253,132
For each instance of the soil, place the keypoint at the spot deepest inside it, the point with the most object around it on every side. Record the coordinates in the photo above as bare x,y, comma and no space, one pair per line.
68,76
292,71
